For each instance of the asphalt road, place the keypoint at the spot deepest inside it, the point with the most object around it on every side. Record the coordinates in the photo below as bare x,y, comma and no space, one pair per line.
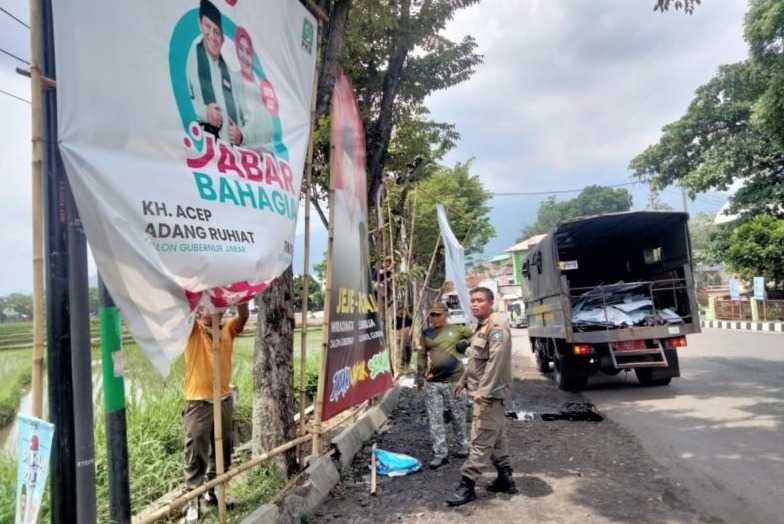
719,428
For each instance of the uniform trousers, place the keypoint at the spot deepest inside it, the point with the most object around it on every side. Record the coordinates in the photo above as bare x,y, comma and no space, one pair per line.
488,439
440,399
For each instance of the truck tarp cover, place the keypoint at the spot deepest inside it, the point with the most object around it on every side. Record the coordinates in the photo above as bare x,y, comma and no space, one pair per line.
603,244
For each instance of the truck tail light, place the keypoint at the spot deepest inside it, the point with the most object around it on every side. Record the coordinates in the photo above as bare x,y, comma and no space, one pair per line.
582,349
677,342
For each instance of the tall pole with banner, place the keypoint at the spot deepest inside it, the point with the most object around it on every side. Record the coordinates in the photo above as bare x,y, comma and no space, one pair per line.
355,363
114,406
307,190
81,365
63,494
36,92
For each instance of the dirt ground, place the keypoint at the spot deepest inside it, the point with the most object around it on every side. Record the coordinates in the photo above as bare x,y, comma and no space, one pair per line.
566,471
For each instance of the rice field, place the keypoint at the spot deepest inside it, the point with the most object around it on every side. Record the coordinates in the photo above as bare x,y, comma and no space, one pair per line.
153,412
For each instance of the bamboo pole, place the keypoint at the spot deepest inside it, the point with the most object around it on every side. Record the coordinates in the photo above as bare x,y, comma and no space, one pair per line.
38,236
373,470
303,354
383,309
392,314
409,248
318,408
217,404
219,480
318,11
427,275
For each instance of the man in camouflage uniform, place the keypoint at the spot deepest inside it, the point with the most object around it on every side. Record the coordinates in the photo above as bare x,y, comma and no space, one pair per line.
439,367
488,378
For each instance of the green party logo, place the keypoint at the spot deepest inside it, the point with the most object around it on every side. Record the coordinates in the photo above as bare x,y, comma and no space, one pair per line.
308,33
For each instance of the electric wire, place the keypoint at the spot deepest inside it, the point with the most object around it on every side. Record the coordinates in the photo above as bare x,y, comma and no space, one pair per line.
535,193
15,18
14,56
14,96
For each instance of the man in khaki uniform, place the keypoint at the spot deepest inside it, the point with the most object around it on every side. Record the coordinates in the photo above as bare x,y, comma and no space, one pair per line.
488,378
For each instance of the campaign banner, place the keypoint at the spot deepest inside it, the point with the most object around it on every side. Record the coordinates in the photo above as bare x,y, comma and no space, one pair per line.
454,261
34,444
183,127
358,366
734,289
759,288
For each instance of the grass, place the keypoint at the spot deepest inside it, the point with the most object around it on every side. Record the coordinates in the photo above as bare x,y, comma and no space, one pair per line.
16,369
155,430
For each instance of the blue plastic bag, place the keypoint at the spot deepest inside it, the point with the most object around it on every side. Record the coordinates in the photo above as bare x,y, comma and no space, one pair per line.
395,464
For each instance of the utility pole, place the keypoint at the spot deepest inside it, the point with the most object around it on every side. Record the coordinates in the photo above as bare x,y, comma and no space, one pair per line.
114,403
685,200
57,201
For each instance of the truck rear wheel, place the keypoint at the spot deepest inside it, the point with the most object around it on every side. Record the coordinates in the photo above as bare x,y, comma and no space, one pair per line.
645,378
542,362
563,382
540,352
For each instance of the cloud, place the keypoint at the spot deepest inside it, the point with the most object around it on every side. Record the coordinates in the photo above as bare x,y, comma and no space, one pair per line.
16,196
569,92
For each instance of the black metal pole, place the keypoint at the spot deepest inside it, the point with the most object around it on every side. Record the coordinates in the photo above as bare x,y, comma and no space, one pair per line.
58,349
81,365
114,402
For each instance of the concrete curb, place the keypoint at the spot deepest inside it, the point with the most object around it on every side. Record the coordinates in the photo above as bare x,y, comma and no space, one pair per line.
349,441
322,475
746,325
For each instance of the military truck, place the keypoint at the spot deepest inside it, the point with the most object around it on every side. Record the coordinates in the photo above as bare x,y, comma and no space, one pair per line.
609,293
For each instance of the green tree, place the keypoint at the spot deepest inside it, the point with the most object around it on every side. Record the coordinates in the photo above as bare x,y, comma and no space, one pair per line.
706,237
466,203
757,249
732,131
715,143
395,57
701,229
21,303
687,5
593,200
93,300
764,28
320,269
315,295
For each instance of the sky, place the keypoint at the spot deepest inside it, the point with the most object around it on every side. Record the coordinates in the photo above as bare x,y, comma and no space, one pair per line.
568,93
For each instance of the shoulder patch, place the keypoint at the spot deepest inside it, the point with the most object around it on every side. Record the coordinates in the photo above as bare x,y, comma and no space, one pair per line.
497,335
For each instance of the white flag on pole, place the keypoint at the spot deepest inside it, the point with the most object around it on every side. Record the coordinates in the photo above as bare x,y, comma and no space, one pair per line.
454,258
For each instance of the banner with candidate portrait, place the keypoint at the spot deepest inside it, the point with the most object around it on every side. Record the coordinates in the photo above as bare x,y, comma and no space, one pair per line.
358,366
34,444
183,127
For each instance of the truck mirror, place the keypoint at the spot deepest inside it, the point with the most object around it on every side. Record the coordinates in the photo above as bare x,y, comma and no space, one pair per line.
527,270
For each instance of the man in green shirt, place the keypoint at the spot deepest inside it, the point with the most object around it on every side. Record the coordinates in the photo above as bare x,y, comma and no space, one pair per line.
439,367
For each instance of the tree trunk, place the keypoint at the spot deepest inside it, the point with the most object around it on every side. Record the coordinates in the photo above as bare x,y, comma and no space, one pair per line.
334,36
380,131
273,395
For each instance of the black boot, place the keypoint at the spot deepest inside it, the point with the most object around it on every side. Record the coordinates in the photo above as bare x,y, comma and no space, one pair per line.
504,483
464,493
